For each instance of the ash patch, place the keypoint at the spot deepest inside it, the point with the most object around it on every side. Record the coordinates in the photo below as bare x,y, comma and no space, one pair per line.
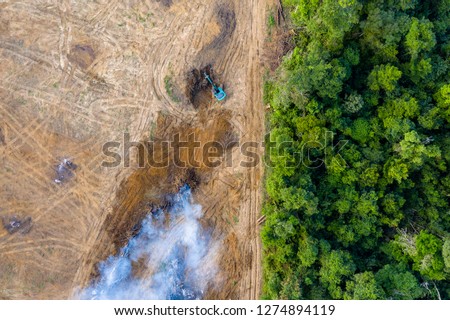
226,19
166,3
14,224
82,55
64,171
227,22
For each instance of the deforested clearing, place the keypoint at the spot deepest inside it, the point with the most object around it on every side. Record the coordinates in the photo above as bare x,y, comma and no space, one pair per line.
76,75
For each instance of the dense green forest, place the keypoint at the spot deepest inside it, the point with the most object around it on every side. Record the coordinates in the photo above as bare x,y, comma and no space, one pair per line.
358,188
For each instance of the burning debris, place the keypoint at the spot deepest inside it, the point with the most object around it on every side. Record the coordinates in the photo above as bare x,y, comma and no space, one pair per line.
170,258
64,171
14,224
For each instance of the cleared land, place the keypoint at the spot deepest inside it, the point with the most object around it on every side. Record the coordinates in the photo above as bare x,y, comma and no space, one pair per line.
77,74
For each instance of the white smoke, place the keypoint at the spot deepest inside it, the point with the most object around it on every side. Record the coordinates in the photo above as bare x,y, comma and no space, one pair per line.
177,254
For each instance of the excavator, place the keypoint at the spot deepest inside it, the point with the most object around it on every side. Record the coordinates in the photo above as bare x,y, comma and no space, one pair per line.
217,91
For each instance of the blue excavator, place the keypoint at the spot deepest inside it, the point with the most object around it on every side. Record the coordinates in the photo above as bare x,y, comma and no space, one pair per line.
218,92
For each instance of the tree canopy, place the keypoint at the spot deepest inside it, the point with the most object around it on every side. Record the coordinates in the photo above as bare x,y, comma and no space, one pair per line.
357,182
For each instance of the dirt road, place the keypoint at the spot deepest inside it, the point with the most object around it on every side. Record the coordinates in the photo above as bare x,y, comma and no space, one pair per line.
77,74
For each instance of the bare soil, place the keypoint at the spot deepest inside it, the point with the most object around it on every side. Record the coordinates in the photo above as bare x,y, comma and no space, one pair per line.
75,75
